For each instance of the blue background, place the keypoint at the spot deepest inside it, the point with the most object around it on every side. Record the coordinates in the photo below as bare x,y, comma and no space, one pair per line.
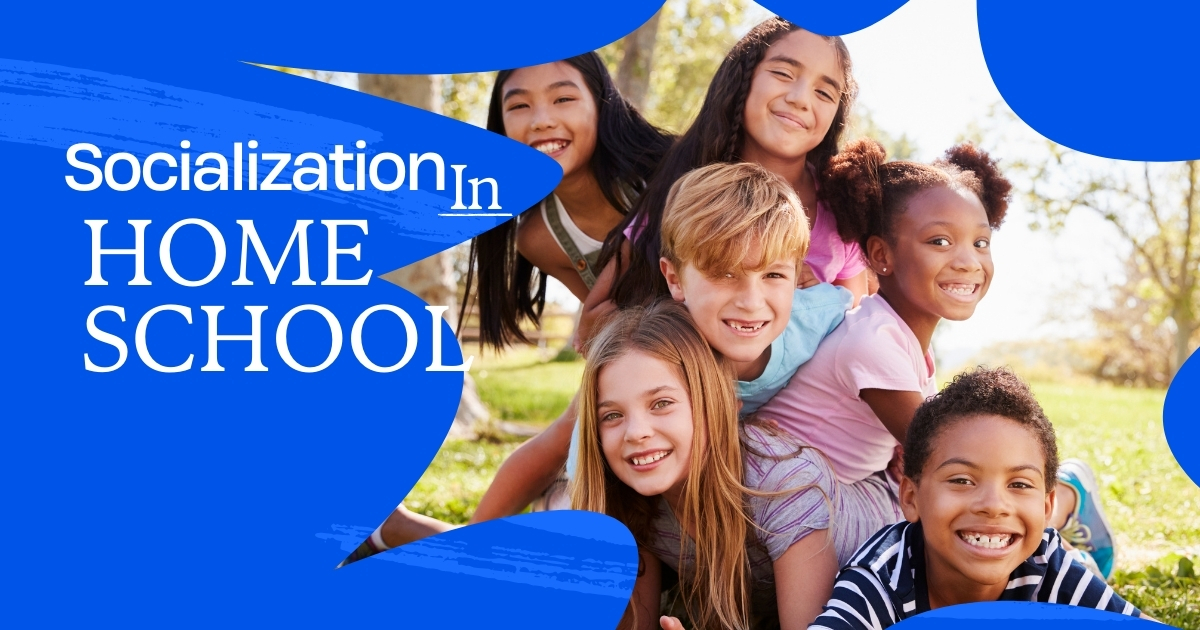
147,499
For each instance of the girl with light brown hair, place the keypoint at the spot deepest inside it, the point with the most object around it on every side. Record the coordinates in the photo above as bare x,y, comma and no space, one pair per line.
740,513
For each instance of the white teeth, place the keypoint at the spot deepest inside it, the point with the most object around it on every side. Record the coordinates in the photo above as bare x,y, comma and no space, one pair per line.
745,328
986,541
649,459
959,289
550,147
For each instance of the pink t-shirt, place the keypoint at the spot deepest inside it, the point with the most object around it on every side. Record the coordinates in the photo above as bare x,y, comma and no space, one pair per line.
830,257
872,349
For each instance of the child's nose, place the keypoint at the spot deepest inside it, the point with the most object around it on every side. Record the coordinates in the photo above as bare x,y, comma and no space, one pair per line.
798,96
543,118
966,258
638,427
750,295
991,500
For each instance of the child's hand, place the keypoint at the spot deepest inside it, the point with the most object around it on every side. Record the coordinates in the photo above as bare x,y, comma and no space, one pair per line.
807,277
670,623
583,331
895,468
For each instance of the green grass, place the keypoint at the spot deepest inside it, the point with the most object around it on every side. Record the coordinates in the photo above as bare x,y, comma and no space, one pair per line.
1151,503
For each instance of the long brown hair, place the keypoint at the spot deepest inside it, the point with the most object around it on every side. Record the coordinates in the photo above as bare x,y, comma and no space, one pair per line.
714,505
717,135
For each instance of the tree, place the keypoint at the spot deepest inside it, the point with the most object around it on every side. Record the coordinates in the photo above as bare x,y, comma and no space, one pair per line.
692,39
1155,207
637,61
431,279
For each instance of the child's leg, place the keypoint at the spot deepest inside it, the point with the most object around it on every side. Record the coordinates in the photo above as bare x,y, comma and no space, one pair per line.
401,527
529,470
1065,500
1084,526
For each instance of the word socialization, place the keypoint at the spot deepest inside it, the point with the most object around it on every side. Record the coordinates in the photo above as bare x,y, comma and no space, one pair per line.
211,171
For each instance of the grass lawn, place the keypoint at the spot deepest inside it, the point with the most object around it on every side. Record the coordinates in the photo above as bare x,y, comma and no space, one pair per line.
1151,503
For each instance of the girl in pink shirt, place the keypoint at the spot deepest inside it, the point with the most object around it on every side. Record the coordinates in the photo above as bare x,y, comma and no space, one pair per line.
928,238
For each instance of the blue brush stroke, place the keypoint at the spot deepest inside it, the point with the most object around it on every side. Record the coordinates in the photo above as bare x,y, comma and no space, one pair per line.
1110,78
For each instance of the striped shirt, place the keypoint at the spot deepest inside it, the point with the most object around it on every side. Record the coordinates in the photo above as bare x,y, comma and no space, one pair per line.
885,582
771,463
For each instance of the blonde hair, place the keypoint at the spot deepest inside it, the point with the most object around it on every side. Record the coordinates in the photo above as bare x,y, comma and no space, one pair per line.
716,215
714,503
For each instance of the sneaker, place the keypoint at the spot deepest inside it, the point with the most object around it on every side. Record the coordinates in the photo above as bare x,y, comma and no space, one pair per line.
1087,529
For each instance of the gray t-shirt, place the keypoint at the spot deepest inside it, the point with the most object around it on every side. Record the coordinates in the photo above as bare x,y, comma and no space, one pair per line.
772,463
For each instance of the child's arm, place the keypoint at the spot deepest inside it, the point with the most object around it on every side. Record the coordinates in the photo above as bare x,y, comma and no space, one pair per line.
642,612
857,598
529,470
804,577
894,409
598,302
855,284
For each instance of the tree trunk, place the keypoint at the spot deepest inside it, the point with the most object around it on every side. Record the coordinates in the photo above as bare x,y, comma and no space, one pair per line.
633,75
431,279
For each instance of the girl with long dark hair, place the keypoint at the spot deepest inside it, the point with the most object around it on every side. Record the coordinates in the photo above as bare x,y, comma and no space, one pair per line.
571,111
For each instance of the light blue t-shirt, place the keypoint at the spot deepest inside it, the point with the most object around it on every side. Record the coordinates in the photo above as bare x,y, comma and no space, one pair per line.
816,311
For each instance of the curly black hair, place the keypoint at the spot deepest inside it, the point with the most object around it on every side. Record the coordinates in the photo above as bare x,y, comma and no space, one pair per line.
980,391
867,192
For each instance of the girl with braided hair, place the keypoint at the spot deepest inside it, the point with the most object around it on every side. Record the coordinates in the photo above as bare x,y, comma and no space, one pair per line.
781,98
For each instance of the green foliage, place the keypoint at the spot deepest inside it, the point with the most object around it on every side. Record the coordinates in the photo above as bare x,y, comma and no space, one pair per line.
862,125
1151,503
693,38
519,386
1168,591
456,479
465,97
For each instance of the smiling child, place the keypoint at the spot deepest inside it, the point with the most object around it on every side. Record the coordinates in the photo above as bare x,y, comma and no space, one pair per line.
977,516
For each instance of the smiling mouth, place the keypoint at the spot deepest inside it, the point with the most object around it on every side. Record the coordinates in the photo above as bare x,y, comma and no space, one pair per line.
551,146
958,289
790,120
648,458
988,541
745,327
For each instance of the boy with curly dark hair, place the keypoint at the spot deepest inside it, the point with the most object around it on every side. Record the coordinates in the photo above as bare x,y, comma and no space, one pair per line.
980,464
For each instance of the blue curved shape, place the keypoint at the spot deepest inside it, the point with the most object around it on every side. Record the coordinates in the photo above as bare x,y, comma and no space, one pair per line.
1111,79
530,571
834,18
1030,615
376,37
1181,417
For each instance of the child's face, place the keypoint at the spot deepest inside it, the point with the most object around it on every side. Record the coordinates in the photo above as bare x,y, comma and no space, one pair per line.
645,416
982,500
941,259
739,312
549,108
793,98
